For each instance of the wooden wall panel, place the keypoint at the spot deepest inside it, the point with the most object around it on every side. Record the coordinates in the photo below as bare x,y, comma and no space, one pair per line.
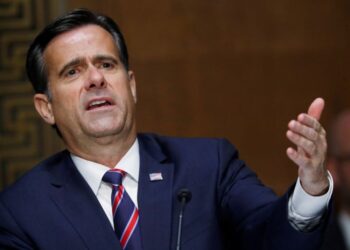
235,69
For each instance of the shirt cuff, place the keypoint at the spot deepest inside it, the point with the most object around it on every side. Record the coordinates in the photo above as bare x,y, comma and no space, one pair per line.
308,206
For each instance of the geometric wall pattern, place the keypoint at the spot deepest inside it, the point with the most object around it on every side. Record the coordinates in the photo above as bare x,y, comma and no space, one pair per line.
24,138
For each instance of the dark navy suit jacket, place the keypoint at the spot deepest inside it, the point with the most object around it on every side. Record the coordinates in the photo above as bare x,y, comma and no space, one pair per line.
52,206
334,238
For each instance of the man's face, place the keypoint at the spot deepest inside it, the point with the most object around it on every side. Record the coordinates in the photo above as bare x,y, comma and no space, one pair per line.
93,96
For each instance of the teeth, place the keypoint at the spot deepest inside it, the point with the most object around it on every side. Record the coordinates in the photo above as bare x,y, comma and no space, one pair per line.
97,103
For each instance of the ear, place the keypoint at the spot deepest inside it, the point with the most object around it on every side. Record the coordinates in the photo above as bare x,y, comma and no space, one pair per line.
44,108
332,167
132,83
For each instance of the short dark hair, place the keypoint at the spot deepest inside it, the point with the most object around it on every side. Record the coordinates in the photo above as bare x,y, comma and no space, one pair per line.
35,64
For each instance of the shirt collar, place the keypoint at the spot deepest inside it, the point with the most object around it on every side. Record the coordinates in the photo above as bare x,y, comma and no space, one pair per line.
93,172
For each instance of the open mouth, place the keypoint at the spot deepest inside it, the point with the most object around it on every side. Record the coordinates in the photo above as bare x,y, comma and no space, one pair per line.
97,104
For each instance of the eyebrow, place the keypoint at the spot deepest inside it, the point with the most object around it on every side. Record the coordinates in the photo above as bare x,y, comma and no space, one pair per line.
79,60
105,57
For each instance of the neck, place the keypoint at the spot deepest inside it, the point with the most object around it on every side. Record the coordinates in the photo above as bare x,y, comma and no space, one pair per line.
107,151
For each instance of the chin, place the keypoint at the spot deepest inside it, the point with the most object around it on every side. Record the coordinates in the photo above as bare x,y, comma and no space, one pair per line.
105,131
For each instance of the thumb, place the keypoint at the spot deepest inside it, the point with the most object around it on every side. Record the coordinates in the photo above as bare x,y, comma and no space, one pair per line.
316,108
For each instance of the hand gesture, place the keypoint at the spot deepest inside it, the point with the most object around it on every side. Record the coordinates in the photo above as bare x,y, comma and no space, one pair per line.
310,139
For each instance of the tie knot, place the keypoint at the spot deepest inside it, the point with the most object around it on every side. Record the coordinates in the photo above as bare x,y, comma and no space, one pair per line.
114,176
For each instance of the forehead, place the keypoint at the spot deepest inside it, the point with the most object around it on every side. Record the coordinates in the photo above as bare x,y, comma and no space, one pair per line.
83,41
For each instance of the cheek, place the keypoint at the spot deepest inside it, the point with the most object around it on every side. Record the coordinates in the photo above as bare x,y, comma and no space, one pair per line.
123,91
64,103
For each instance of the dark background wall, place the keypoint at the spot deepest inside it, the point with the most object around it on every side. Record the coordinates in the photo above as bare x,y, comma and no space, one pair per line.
225,68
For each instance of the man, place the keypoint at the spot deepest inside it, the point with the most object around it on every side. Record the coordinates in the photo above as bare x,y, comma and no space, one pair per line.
78,66
338,233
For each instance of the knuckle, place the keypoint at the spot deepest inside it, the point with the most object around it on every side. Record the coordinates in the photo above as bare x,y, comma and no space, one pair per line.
314,135
295,137
311,147
309,144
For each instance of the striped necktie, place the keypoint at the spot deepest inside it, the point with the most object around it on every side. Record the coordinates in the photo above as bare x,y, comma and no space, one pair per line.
125,213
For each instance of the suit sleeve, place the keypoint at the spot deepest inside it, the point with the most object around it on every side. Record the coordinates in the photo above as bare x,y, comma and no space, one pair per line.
11,236
256,217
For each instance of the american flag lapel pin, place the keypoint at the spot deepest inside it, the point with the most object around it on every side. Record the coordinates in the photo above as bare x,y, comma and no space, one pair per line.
155,176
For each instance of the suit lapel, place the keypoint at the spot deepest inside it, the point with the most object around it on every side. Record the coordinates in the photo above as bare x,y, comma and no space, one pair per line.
80,207
155,197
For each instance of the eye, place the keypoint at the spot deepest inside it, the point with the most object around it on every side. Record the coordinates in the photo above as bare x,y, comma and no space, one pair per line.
71,72
107,65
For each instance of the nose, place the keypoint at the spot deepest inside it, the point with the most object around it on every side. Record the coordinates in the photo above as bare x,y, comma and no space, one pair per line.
95,79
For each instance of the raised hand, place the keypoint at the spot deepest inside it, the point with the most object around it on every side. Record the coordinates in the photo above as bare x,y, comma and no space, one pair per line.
310,139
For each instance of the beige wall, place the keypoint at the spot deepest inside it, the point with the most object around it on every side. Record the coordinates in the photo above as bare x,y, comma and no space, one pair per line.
235,69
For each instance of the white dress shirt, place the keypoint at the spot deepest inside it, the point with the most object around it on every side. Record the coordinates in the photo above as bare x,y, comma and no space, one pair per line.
93,173
305,211
302,208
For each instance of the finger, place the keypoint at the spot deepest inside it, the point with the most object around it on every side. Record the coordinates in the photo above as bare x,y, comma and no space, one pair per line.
297,127
308,146
318,146
322,143
316,108
309,121
301,152
296,157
